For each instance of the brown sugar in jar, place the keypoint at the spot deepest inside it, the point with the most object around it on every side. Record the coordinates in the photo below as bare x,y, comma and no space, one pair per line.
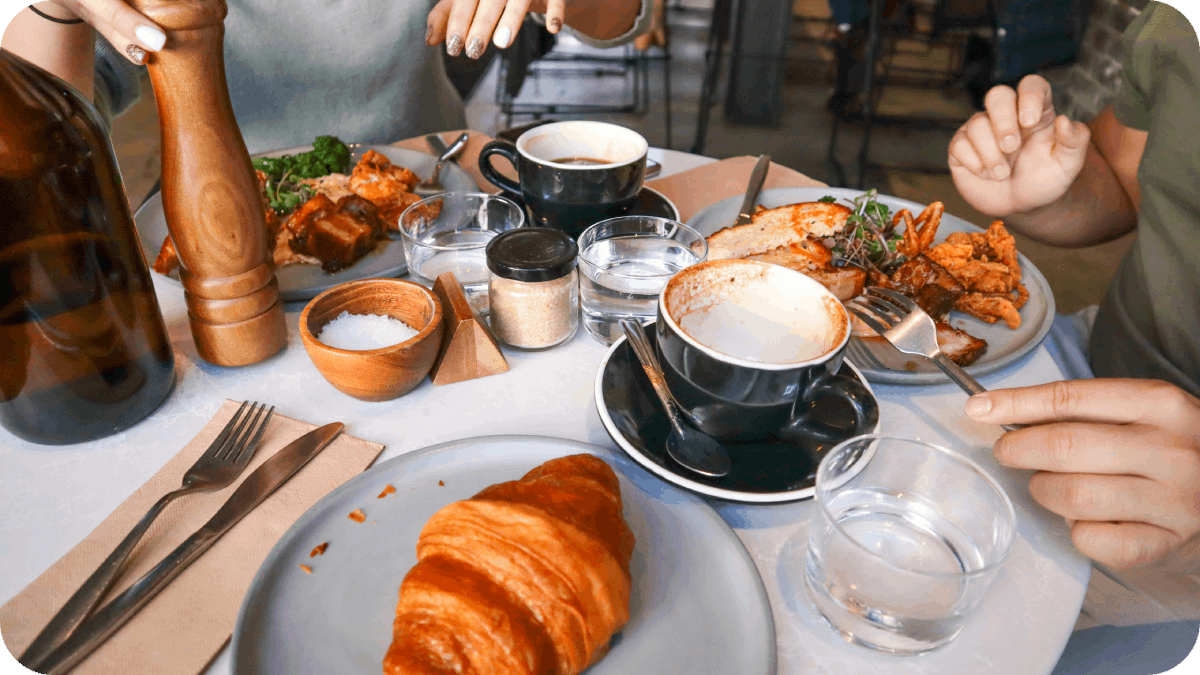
533,287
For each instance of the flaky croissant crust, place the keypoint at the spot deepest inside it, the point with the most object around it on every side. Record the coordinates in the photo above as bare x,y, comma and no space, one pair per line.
529,576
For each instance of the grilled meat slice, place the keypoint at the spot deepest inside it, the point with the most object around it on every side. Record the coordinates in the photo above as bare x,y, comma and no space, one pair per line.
337,235
929,285
962,348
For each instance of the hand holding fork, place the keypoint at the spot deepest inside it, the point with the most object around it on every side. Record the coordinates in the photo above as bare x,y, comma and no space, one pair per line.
904,324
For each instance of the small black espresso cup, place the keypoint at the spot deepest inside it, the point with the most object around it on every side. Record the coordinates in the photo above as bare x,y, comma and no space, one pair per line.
749,349
571,174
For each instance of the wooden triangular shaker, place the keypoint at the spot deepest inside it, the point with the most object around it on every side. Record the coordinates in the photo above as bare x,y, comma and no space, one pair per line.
468,348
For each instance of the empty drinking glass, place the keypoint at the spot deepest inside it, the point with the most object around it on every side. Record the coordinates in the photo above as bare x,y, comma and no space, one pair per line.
624,263
449,233
906,539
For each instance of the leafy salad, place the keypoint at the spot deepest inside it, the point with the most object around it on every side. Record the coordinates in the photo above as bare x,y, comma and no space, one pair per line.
284,192
869,239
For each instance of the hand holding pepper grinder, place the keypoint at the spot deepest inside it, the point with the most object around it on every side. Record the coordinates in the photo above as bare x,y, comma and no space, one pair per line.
211,197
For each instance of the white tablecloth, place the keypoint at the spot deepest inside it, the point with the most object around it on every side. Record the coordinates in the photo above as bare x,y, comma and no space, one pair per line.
52,496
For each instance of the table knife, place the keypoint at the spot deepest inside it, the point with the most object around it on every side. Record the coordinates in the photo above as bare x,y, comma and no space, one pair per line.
258,486
435,143
753,188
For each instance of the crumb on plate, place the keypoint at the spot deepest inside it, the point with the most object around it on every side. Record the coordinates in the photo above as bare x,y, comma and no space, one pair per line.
386,491
357,515
441,484
319,550
306,568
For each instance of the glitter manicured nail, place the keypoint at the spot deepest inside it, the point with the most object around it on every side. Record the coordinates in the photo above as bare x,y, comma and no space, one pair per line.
429,35
454,45
475,48
136,54
555,24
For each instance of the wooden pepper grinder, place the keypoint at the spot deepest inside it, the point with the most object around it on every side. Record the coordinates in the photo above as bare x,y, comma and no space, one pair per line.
210,194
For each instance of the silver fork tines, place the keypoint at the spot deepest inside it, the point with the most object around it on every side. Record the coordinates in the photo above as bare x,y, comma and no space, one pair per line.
902,322
216,468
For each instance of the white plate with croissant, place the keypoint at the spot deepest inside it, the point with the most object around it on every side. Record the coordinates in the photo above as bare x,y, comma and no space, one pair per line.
589,562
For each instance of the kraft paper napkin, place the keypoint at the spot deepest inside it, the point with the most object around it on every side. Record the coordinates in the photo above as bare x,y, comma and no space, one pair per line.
693,190
188,622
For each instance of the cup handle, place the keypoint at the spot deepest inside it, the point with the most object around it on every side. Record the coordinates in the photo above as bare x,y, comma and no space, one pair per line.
847,388
509,152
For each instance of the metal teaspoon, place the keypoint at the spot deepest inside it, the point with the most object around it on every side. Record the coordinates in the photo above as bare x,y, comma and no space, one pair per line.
691,448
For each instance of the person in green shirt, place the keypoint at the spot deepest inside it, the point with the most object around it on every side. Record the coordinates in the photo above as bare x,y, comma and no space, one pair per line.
1118,457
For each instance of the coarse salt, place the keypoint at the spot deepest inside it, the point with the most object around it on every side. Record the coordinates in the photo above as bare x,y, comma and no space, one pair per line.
360,332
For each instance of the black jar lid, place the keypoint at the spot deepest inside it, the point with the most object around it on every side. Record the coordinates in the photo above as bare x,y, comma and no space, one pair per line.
531,254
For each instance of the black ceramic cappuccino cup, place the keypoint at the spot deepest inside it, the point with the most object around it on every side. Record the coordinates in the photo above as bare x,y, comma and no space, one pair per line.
749,349
571,175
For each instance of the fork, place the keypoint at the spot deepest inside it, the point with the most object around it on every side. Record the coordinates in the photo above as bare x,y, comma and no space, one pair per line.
433,186
219,466
910,329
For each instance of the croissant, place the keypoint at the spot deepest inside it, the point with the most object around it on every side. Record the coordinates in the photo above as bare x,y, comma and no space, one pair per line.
527,577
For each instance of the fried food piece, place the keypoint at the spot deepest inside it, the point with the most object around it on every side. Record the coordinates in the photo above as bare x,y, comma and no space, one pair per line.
384,184
772,229
167,259
929,284
919,233
962,348
990,308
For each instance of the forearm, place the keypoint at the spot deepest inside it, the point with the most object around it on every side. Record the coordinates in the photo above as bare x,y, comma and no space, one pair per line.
66,51
603,19
1095,209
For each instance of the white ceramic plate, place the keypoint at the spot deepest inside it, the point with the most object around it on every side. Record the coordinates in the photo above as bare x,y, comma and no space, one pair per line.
304,282
689,568
881,362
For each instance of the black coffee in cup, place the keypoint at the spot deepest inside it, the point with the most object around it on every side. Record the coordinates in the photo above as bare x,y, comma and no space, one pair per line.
571,175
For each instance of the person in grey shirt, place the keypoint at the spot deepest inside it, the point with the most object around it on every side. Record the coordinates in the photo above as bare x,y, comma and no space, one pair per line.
364,71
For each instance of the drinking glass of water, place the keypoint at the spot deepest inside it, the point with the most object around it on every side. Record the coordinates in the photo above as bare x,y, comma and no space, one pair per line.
906,539
449,233
624,263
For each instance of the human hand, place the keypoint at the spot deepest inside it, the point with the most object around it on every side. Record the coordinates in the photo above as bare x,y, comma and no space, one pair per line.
474,22
131,33
1119,459
1017,156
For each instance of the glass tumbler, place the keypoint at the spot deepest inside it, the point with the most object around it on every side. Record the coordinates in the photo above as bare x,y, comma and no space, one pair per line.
449,233
624,263
906,539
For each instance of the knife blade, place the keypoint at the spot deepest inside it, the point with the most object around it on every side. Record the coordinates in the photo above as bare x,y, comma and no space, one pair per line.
258,486
757,177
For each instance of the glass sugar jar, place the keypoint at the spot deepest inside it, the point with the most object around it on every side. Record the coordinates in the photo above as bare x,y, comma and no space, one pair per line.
533,287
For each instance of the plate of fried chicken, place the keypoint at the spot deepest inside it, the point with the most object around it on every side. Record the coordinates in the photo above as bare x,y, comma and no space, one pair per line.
340,229
991,305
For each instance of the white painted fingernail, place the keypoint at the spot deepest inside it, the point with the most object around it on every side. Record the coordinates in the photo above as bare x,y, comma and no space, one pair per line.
503,35
153,38
1010,143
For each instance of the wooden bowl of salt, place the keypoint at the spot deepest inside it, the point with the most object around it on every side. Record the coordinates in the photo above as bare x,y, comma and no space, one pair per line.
374,339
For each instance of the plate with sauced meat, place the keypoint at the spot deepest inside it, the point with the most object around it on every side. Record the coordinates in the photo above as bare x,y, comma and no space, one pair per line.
522,555
327,229
991,304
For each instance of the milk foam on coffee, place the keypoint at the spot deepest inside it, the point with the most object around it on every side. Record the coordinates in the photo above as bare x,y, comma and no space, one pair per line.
757,313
